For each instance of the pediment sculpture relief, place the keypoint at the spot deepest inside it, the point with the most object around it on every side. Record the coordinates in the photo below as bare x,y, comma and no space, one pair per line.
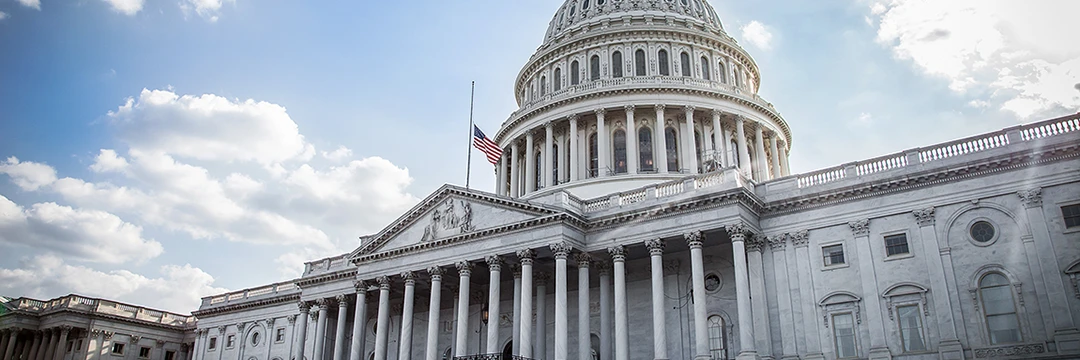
450,218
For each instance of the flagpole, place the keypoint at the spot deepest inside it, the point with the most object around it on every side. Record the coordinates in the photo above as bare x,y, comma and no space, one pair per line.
472,131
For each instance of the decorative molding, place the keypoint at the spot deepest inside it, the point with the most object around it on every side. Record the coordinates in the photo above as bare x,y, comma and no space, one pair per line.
464,268
925,217
526,256
618,253
343,300
384,283
736,231
445,220
777,242
561,249
1031,198
583,259
860,227
494,263
360,286
756,243
655,246
409,276
1009,351
693,239
800,238
134,339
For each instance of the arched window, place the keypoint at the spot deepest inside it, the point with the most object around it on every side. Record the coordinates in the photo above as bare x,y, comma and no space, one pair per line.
998,306
704,68
661,57
584,4
543,85
557,81
620,151
594,67
645,149
554,164
599,2
699,148
721,72
616,64
672,140
593,157
539,164
717,340
575,70
684,60
639,63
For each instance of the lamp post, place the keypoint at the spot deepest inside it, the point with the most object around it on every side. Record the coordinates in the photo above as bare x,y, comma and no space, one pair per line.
483,324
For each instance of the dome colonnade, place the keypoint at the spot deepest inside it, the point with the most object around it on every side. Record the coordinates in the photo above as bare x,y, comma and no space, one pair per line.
652,90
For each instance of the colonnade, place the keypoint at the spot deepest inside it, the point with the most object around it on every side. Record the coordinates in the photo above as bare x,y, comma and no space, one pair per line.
613,331
47,344
517,175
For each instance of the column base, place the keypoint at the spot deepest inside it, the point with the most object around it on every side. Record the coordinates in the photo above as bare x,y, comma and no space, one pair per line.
748,355
880,353
950,350
1068,341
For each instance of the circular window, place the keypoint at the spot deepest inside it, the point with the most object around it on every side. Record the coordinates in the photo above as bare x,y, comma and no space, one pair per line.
713,282
982,231
255,337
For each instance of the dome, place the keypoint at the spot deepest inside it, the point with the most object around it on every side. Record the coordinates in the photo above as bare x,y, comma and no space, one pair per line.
573,13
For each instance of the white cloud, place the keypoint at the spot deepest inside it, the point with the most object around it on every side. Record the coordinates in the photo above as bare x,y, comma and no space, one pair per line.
89,235
758,35
28,176
108,161
864,119
209,127
3,15
36,4
1015,51
341,153
126,7
179,289
207,9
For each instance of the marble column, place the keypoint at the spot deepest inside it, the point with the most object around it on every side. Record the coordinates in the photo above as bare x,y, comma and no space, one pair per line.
738,234
61,345
36,343
622,334
743,151
549,154
860,229
656,255
762,163
603,144
694,240
691,141
784,169
515,336
494,263
584,340
949,346
95,346
500,185
27,345
382,323
45,335
800,240
603,272
720,148
1065,333
356,347
631,141
320,329
758,303
9,343
526,257
301,329
659,142
540,344
431,352
339,333
5,335
775,155
562,331
515,165
405,341
16,348
778,245
50,348
462,334
574,151
530,164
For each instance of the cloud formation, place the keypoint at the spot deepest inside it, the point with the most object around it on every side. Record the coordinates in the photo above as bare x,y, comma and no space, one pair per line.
35,4
207,9
757,34
3,15
126,7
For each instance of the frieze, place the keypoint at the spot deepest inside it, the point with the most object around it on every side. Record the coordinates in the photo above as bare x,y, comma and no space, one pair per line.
1012,350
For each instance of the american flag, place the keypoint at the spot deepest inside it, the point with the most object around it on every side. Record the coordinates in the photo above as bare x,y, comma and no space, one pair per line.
490,148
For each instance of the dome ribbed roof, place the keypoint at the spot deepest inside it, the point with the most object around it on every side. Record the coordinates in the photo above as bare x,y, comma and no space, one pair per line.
575,12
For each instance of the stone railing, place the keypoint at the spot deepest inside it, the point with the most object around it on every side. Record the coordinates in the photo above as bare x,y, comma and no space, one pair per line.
662,190
105,307
983,142
268,290
496,356
327,264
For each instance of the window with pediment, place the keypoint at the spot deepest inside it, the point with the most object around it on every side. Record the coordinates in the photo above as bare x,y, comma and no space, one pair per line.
842,315
906,304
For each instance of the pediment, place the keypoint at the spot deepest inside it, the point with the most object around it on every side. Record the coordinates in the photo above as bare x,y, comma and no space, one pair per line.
448,212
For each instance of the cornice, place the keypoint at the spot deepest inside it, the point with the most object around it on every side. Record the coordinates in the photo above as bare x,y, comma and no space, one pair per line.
327,277
97,315
287,298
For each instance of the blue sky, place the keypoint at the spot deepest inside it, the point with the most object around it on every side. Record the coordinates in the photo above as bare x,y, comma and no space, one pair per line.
178,149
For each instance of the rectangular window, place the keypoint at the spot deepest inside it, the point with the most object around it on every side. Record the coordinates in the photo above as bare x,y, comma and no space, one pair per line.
280,335
169,355
144,352
213,344
896,245
833,254
117,349
230,341
70,345
844,333
1071,213
910,328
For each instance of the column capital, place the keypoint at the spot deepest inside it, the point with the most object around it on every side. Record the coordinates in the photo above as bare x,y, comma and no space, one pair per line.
736,231
583,259
526,256
464,268
409,276
1031,198
291,318
342,301
689,109
304,306
603,268
515,269
549,125
435,272
860,227
322,303
693,239
659,107
755,243
925,217
270,322
541,278
655,246
618,253
777,242
629,109
107,335
716,113
360,286
739,120
134,339
561,249
494,262
384,282
159,343
600,112
799,238
95,333
573,117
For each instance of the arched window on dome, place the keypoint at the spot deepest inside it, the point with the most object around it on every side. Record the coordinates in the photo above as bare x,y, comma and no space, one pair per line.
645,149
672,140
543,85
721,72
575,73
556,82
999,308
684,60
684,2
619,146
593,157
539,161
554,164
599,2
699,147
662,58
616,64
584,4
639,62
572,8
594,67
705,68
717,340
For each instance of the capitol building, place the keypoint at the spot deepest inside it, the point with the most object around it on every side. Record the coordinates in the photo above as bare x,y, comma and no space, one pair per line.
644,209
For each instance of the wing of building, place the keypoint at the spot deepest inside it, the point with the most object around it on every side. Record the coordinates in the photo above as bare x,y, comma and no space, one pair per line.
644,210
